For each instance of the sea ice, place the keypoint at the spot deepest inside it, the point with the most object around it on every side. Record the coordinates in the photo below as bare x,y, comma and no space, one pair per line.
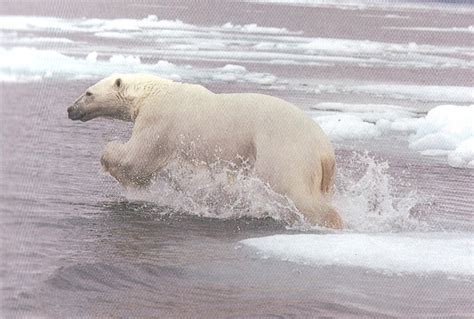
25,63
448,128
419,253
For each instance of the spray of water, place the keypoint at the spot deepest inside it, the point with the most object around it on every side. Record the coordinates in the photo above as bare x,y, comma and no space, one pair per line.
365,198
368,200
218,191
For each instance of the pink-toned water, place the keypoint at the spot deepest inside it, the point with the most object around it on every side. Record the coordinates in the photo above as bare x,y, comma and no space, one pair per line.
73,244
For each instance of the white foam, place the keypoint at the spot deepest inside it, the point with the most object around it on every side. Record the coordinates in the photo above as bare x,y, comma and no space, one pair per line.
208,193
450,129
419,253
368,200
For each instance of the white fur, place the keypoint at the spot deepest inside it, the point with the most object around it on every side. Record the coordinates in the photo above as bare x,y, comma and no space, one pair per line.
188,122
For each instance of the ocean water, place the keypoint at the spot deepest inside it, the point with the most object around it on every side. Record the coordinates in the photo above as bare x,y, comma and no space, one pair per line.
390,84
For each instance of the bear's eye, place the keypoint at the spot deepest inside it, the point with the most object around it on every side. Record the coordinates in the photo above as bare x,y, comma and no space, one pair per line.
88,93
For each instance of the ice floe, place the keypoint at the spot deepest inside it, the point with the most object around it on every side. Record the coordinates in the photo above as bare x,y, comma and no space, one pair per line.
235,43
447,129
452,94
26,63
469,29
151,22
371,4
344,126
412,253
359,121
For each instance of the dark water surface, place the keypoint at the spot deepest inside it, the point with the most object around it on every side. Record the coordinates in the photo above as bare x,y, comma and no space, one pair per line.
73,244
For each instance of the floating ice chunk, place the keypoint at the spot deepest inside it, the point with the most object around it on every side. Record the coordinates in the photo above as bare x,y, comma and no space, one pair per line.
366,4
230,73
249,43
419,253
166,66
92,57
254,28
234,68
469,29
34,40
361,121
437,141
114,35
368,112
260,78
343,126
30,64
343,46
447,128
396,16
215,45
265,46
459,94
350,107
13,78
121,59
463,155
226,77
405,124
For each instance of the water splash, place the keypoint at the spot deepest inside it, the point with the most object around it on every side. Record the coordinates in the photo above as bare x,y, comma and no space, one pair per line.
365,196
220,191
369,202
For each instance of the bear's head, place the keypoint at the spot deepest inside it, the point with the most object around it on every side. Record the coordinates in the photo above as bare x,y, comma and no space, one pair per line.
104,99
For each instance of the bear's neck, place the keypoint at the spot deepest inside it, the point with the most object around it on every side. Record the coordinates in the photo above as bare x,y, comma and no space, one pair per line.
138,97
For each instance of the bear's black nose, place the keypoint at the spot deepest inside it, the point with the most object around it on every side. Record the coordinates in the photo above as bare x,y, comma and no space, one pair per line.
74,113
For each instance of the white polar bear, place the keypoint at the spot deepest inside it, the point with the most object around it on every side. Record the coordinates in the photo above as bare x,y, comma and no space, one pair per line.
172,121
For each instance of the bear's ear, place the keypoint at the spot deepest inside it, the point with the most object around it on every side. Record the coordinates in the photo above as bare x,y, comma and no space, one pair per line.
118,83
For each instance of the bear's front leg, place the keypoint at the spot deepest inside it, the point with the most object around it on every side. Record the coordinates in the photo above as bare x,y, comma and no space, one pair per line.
117,160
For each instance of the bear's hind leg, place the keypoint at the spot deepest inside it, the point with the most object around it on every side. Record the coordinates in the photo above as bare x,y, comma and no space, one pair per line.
293,183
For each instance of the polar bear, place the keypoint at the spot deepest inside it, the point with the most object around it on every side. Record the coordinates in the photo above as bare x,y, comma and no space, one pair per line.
283,146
